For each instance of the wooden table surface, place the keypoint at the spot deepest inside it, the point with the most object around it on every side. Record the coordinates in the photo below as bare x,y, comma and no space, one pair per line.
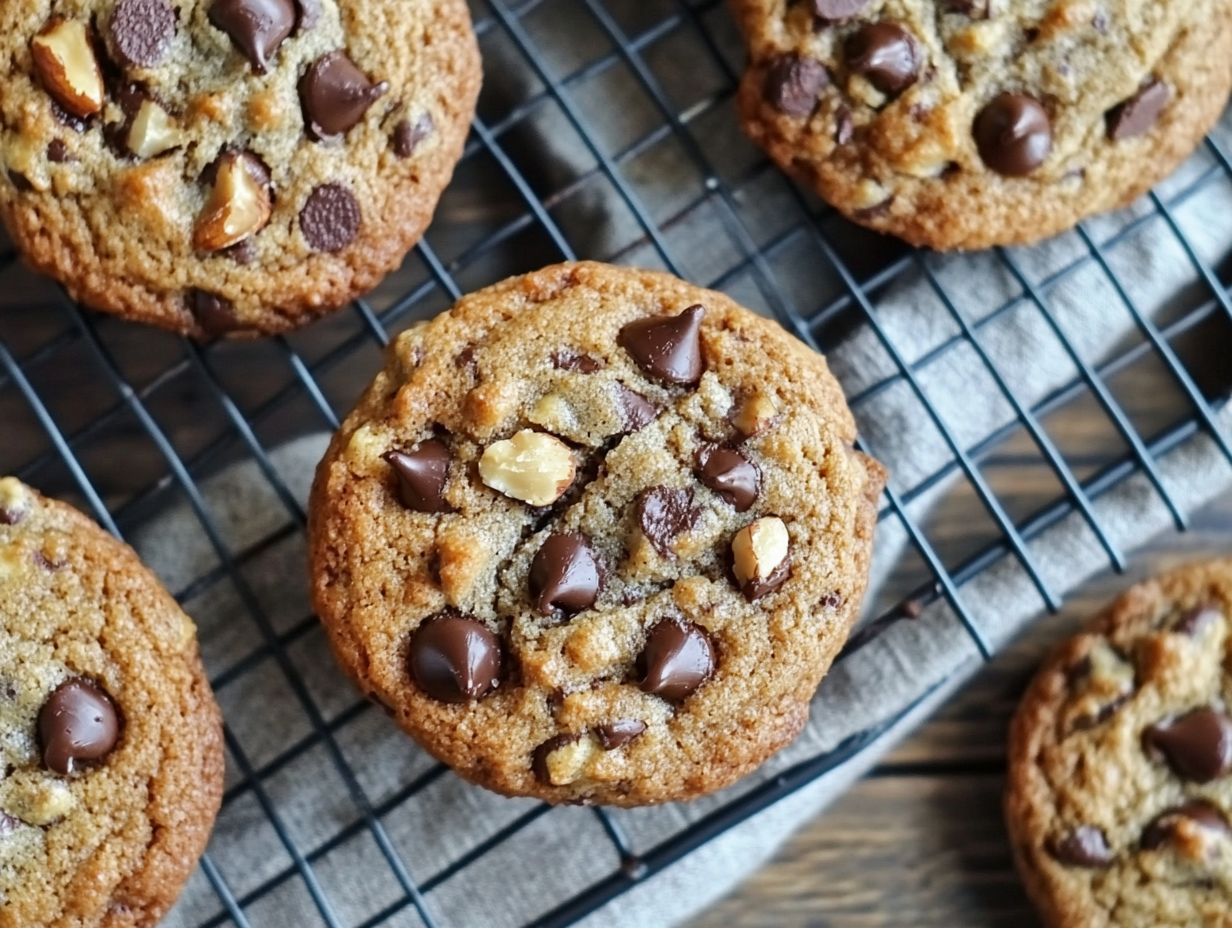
919,842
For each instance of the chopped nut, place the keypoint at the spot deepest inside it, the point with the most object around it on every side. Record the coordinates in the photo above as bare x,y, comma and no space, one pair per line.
759,550
153,131
553,412
239,205
533,467
870,195
14,501
756,414
39,801
567,762
65,62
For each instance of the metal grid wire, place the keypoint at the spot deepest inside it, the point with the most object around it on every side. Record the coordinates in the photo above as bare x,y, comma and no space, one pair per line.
125,421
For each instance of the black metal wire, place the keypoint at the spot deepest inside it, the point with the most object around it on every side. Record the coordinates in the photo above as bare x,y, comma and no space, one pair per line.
245,422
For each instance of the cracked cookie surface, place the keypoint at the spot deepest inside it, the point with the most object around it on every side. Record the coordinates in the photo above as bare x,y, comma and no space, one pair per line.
969,123
110,739
595,535
1119,799
228,167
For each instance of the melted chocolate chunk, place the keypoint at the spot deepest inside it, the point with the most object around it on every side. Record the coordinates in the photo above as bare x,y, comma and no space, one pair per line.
663,513
1085,846
678,658
886,54
1013,134
1163,828
257,27
455,659
331,218
565,575
1196,745
408,135
1138,115
422,475
637,411
730,474
215,314
573,361
539,760
336,94
617,734
78,723
667,348
793,83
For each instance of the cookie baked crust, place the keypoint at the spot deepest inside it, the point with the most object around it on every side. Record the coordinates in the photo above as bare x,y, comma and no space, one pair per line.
1103,777
380,572
118,232
142,816
912,168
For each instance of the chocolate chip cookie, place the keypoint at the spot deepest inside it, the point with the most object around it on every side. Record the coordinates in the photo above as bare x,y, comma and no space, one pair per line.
595,535
110,741
229,167
970,123
1119,801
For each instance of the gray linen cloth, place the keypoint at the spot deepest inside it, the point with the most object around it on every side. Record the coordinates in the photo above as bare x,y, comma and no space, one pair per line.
913,663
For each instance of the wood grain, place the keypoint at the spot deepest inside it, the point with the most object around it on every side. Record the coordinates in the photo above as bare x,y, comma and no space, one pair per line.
919,841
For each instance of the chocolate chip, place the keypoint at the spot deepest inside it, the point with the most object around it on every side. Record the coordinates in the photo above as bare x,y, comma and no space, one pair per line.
793,83
637,411
309,14
677,659
422,474
1195,621
1085,846
730,474
565,575
77,723
617,734
331,218
257,27
408,135
214,314
455,659
834,10
1162,829
539,760
1197,745
573,361
336,95
886,54
57,151
141,31
1013,134
663,513
1138,115
667,348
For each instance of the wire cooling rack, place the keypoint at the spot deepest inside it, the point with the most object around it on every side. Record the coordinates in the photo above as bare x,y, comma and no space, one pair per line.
588,106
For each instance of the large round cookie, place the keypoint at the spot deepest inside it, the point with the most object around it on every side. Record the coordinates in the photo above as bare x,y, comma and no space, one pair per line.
969,123
110,740
228,166
595,535
1120,770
